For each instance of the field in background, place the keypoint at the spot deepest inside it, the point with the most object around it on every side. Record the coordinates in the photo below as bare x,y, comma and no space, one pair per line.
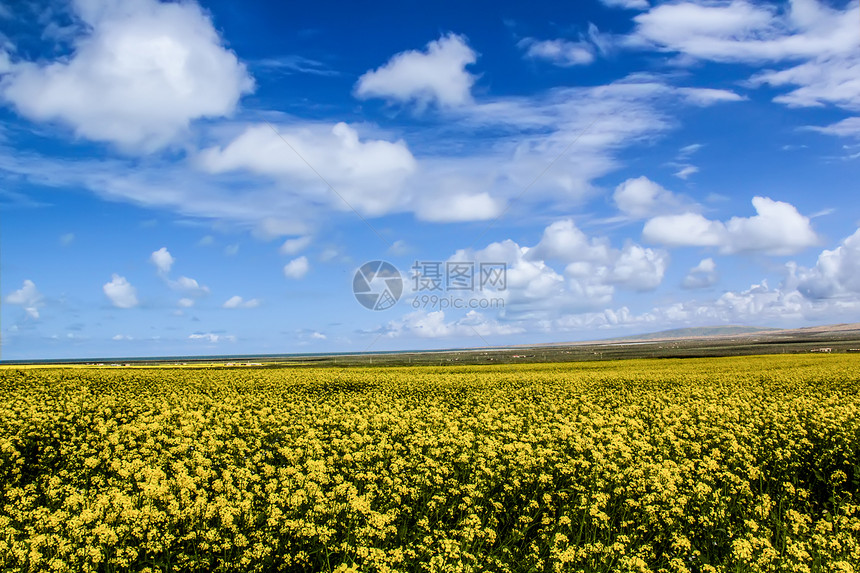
719,464
680,343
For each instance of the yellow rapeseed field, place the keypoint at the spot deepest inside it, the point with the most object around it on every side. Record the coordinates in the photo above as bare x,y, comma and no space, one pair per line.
729,465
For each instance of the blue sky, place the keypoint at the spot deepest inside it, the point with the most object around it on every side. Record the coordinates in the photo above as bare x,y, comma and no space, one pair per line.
206,177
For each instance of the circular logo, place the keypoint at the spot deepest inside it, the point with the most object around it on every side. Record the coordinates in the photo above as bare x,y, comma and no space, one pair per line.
377,285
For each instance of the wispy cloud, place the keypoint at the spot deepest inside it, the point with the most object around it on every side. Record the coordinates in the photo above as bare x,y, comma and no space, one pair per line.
293,64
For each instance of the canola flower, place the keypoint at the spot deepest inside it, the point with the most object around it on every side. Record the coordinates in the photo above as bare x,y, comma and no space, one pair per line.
701,465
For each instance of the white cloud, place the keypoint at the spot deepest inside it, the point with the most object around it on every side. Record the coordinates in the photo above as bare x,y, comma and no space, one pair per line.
836,273
703,275
740,31
436,74
318,336
822,81
564,53
686,171
458,207
825,293
238,302
120,292
189,286
295,246
211,337
432,324
638,268
273,193
689,150
776,229
627,4
185,302
28,297
564,241
233,302
821,37
687,229
119,337
139,74
848,127
297,268
368,175
231,250
593,271
640,198
163,260
292,63
709,96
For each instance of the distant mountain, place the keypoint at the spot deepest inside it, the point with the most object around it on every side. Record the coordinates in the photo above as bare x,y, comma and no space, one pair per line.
697,332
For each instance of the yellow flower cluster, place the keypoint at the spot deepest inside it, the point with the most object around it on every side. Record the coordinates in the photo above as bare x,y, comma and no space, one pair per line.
701,465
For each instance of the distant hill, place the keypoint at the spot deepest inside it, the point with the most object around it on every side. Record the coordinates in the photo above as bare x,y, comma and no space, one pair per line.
697,332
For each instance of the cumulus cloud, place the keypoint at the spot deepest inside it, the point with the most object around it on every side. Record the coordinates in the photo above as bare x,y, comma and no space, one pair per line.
238,302
564,241
185,302
594,267
703,275
437,74
139,74
777,229
591,272
162,259
368,175
297,268
836,274
120,292
686,229
640,198
433,324
538,299
638,268
28,297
